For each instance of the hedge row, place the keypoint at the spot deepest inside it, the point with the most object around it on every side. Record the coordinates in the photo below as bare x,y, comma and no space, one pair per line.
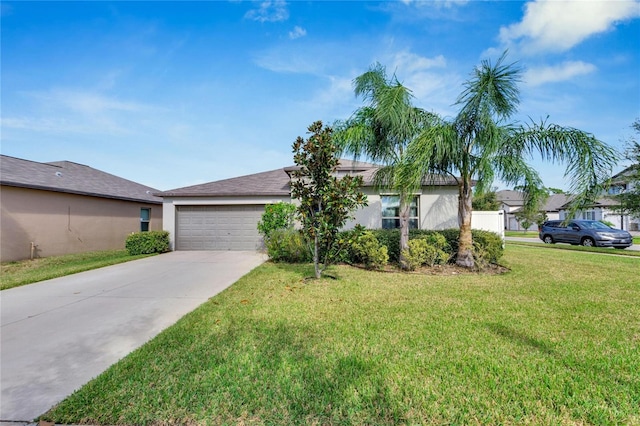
147,242
360,246
487,246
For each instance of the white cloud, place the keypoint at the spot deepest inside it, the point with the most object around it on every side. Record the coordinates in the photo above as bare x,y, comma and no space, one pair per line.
551,74
410,62
298,63
269,11
90,103
297,32
77,111
557,26
335,99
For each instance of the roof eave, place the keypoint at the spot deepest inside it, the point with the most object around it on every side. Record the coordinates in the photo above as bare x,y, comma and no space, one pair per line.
70,191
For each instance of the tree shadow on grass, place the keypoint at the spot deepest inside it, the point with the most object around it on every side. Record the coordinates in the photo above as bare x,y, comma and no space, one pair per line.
586,373
297,381
248,371
521,338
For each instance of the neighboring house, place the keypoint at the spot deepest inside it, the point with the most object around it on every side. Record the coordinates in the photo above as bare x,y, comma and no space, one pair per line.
618,184
513,201
223,215
510,202
603,209
57,208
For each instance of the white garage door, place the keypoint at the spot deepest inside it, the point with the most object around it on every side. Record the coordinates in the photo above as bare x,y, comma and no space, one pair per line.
218,227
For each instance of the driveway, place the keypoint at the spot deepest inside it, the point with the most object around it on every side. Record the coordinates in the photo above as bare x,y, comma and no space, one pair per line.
58,334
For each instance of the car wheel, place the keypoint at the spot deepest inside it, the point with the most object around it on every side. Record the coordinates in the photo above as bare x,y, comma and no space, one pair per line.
588,242
548,239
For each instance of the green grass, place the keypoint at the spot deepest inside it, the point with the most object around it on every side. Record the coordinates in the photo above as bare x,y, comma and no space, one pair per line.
554,341
569,247
14,274
534,234
525,234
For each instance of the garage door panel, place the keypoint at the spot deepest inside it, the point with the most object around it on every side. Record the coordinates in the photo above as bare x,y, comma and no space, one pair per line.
218,227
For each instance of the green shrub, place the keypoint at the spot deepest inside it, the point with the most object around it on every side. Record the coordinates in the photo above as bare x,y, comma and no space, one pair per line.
437,240
147,242
368,251
390,238
487,245
426,251
417,253
346,240
287,245
276,216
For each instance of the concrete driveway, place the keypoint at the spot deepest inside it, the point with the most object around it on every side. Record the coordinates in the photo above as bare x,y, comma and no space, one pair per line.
58,334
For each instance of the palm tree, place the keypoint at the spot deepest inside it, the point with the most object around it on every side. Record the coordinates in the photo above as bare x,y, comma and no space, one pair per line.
382,132
481,144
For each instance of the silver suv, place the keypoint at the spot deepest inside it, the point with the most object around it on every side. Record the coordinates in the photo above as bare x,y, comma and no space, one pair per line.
591,233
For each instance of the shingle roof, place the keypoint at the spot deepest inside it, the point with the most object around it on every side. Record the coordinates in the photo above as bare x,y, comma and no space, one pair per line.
599,202
73,178
368,170
510,198
555,202
274,182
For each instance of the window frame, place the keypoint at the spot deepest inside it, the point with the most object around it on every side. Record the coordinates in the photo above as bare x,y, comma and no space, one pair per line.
414,220
145,223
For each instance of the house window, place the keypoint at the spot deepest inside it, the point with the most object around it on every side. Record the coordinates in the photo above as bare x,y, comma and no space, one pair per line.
145,218
589,215
391,212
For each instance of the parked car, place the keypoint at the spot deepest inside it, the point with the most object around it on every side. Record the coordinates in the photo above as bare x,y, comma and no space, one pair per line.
590,233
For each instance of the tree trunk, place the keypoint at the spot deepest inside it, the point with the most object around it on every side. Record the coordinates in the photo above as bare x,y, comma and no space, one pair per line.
404,231
316,256
465,243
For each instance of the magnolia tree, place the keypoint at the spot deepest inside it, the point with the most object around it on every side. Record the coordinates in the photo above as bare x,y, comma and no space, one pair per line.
326,201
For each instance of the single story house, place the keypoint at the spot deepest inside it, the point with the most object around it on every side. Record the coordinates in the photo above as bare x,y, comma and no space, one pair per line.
62,207
223,215
513,201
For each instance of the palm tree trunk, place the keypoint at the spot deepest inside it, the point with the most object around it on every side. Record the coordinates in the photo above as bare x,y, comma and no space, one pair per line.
404,230
465,243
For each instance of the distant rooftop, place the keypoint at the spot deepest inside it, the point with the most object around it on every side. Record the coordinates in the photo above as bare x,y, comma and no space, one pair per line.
72,178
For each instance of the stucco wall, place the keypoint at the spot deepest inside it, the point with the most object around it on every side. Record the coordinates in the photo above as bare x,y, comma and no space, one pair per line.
59,223
438,209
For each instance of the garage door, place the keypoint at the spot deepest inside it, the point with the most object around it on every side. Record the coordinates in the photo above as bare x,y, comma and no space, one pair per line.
218,227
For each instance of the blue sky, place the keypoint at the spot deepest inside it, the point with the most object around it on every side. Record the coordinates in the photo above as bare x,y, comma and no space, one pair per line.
172,94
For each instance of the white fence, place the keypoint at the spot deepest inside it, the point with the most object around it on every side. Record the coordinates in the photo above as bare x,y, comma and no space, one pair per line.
489,221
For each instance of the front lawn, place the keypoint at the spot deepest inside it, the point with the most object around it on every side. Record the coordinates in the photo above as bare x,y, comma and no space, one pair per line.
554,341
14,274
524,234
